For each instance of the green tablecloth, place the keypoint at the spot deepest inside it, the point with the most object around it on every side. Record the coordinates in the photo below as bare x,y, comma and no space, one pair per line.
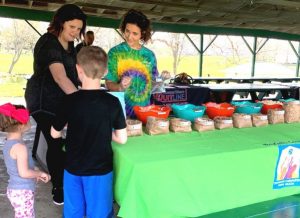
193,174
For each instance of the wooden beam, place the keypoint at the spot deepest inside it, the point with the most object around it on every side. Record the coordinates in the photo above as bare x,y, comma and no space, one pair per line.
172,4
284,3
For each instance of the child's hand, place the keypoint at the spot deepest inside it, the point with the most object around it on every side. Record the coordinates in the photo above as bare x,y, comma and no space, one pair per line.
44,177
125,83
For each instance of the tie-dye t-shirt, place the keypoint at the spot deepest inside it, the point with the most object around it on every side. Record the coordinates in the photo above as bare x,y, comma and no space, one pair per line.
140,65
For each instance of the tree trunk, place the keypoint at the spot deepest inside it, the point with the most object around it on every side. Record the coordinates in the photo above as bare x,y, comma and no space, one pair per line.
15,59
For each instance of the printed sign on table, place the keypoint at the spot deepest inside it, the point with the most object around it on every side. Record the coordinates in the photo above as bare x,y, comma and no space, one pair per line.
287,167
169,97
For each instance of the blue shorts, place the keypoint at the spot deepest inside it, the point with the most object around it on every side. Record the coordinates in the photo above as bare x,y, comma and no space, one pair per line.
90,196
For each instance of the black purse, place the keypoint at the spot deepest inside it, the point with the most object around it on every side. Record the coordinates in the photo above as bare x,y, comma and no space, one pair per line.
183,79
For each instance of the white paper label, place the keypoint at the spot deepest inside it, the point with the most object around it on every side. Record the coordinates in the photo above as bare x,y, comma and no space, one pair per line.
279,112
206,122
183,123
227,121
163,124
247,117
136,126
263,117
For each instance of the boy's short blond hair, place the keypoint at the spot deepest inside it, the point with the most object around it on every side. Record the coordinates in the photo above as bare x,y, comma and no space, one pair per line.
93,61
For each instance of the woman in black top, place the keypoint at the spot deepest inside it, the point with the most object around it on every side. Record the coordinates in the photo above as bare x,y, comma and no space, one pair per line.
54,76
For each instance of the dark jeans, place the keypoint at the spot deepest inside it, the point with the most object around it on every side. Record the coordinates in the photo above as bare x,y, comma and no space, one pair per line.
55,156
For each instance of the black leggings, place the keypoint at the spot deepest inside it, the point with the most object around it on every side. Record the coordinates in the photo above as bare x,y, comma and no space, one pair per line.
55,156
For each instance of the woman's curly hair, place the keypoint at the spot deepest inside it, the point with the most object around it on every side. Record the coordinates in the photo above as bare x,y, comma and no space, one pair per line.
139,19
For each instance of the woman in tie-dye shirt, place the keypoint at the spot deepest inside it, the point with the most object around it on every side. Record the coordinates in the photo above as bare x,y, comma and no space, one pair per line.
131,66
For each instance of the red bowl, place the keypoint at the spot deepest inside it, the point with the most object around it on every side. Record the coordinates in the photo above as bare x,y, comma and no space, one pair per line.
224,109
266,107
157,111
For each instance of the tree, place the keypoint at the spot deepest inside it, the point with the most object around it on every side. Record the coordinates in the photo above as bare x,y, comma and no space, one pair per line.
175,42
17,44
106,37
18,37
228,46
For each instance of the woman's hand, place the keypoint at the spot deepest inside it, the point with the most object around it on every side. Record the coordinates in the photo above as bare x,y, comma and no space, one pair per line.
165,75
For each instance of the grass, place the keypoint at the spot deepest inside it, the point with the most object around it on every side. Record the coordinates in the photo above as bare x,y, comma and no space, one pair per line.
12,89
189,64
212,65
23,66
14,86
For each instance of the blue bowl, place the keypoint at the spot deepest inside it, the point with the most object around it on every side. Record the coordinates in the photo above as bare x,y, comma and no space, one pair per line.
238,103
287,100
188,111
247,107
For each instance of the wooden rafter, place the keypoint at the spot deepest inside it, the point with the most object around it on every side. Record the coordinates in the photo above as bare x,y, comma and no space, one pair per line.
274,15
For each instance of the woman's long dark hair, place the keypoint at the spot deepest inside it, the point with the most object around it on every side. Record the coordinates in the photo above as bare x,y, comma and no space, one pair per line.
65,13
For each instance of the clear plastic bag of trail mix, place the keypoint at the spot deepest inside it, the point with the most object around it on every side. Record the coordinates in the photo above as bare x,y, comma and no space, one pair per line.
180,125
291,111
223,122
241,120
276,116
202,124
157,126
259,120
134,127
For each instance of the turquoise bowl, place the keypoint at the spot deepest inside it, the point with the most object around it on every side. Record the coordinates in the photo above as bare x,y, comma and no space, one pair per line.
247,107
287,100
188,111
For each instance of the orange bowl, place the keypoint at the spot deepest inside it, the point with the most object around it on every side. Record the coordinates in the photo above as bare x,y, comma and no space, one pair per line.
266,107
142,113
224,109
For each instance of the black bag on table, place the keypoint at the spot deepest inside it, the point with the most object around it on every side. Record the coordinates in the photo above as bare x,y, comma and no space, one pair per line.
183,79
